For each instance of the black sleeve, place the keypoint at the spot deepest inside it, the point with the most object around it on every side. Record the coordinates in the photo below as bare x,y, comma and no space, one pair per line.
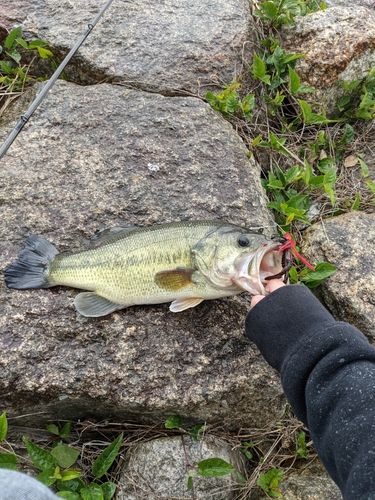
327,370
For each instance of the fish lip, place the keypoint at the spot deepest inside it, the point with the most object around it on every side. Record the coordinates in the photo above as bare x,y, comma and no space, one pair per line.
252,278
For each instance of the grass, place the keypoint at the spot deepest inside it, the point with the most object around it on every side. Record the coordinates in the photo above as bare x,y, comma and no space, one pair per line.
273,447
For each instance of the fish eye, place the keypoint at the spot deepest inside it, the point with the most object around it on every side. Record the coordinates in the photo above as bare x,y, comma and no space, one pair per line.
243,241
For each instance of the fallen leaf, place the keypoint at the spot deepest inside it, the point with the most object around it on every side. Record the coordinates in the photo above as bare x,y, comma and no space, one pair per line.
351,161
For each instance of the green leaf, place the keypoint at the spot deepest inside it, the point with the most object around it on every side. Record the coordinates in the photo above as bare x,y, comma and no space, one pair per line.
93,492
269,9
275,205
53,429
22,42
189,483
109,489
325,164
356,202
316,182
16,56
270,481
44,53
70,474
47,477
311,118
10,40
301,445
322,271
348,134
306,110
371,185
330,177
294,81
214,467
291,174
275,184
6,68
37,43
364,167
331,193
259,69
196,431
240,478
3,426
106,458
8,461
72,485
343,102
65,431
174,422
42,459
307,174
69,495
300,201
64,455
293,275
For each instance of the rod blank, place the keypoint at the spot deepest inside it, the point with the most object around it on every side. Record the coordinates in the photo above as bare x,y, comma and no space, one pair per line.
39,98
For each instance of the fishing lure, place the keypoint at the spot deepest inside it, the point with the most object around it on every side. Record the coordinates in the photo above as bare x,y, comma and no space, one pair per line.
291,244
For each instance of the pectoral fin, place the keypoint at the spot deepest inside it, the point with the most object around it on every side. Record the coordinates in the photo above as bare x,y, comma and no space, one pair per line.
179,305
175,279
91,305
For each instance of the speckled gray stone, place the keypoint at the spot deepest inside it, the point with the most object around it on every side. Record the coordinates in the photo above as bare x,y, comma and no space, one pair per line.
157,45
348,242
85,161
158,470
339,45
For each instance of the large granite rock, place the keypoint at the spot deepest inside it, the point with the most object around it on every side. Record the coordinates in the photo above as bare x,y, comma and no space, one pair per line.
339,45
348,242
171,46
103,156
311,484
158,470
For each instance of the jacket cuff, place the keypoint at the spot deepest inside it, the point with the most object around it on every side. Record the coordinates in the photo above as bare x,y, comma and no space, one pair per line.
282,318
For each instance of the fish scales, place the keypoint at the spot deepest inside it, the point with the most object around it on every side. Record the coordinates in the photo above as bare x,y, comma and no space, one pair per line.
117,269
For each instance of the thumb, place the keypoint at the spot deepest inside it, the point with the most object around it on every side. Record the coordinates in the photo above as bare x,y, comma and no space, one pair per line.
255,299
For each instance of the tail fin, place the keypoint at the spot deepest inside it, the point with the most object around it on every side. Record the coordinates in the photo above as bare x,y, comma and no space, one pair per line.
30,270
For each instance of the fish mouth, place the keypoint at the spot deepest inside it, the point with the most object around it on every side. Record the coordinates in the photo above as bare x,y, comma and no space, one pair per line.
255,269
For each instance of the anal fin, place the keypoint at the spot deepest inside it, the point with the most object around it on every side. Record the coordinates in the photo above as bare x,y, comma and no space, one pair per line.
92,305
179,305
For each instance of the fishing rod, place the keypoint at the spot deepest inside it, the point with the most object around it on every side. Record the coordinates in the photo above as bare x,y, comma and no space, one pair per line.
25,117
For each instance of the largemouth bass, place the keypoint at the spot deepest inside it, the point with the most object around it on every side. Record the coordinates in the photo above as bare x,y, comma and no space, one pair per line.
183,263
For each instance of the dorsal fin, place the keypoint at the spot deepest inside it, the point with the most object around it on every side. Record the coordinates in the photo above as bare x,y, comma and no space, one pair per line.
106,235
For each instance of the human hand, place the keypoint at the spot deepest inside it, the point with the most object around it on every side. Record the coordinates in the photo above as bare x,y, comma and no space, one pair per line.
270,287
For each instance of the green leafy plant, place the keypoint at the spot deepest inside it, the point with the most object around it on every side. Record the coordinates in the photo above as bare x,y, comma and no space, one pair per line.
302,445
279,12
229,103
310,118
269,482
358,102
56,467
13,74
271,66
7,460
